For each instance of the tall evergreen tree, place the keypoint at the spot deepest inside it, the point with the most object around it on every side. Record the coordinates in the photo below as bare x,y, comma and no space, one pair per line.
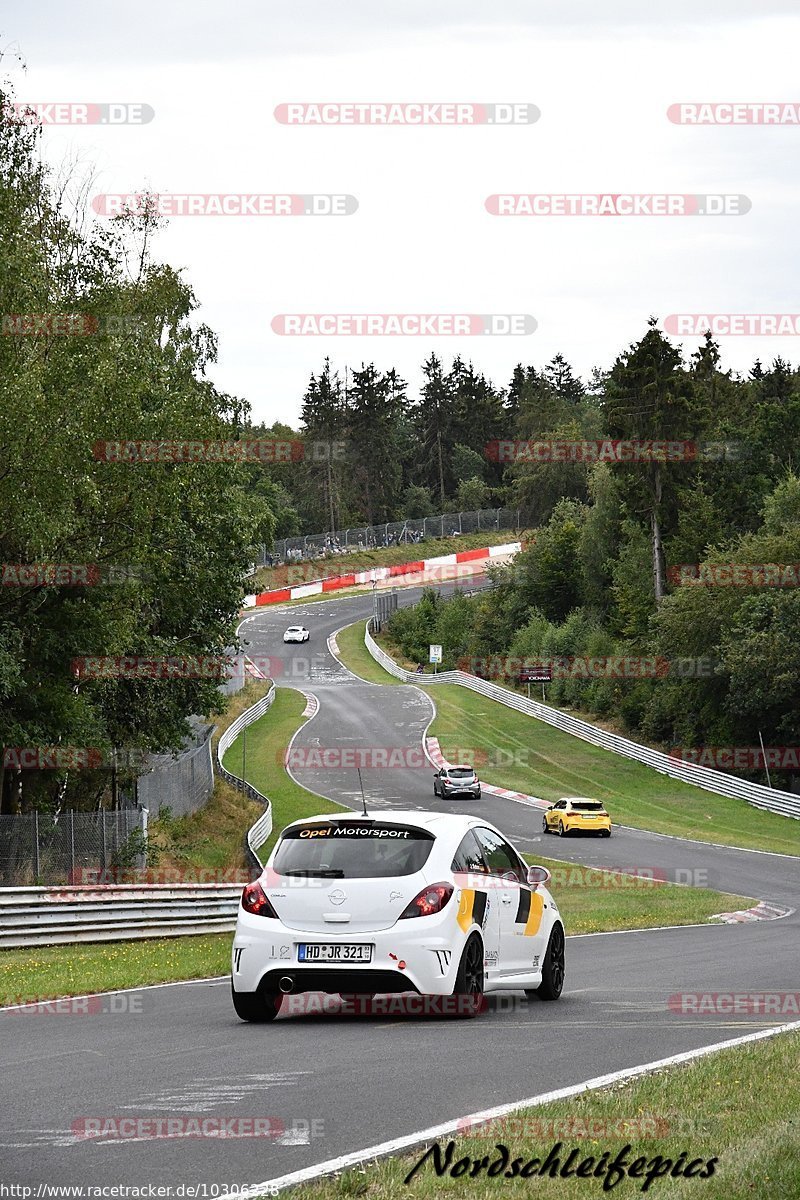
375,403
649,397
323,421
432,422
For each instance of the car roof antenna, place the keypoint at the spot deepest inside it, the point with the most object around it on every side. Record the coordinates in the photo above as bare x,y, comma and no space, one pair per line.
361,785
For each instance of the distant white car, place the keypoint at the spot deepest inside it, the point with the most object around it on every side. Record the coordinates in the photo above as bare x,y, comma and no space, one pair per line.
436,904
296,633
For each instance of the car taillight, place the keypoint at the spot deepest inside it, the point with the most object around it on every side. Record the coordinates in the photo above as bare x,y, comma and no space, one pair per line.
430,900
254,900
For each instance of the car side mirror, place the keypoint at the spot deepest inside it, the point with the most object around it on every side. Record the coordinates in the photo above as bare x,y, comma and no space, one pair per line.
538,876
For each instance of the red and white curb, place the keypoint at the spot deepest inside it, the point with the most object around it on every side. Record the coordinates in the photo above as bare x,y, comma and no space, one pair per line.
759,912
378,574
312,704
433,752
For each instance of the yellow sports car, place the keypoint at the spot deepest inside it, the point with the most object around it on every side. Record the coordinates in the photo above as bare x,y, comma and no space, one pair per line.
577,814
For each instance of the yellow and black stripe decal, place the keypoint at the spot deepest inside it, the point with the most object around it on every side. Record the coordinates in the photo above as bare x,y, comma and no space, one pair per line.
529,911
471,909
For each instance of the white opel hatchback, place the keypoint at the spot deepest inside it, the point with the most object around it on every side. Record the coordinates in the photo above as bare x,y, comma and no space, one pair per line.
435,904
296,633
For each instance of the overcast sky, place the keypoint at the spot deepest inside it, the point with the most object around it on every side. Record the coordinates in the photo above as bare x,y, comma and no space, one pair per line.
422,241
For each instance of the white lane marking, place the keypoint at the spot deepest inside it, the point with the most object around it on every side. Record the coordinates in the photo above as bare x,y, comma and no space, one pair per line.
409,1141
144,987
287,760
571,937
335,654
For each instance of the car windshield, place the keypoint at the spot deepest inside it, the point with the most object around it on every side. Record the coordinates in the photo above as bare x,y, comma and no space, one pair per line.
460,773
588,806
295,629
353,850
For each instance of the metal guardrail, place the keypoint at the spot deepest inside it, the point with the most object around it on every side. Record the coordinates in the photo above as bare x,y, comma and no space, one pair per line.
786,804
258,833
40,916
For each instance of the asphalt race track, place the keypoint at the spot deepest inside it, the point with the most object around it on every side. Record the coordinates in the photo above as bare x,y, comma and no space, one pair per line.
335,1084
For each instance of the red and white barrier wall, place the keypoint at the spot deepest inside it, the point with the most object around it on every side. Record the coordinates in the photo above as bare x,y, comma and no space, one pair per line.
435,567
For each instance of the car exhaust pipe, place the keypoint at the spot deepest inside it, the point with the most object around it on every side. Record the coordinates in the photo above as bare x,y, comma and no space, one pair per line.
286,984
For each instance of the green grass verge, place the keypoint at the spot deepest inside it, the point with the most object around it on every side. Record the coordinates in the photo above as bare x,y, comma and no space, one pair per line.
267,739
701,1110
357,658
546,762
209,841
49,971
593,901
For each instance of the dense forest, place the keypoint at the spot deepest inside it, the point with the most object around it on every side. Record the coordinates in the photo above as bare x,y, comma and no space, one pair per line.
631,560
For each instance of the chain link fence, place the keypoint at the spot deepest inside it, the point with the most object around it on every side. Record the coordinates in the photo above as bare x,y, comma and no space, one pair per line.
183,783
392,533
70,847
76,847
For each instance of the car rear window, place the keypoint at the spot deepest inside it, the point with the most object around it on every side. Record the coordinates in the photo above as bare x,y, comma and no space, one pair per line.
588,807
460,772
353,850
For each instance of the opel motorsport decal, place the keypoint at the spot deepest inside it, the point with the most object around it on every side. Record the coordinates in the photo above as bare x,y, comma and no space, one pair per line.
354,830
529,912
472,908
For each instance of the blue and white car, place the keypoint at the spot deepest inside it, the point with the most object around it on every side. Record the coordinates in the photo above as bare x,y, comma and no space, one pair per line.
436,904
